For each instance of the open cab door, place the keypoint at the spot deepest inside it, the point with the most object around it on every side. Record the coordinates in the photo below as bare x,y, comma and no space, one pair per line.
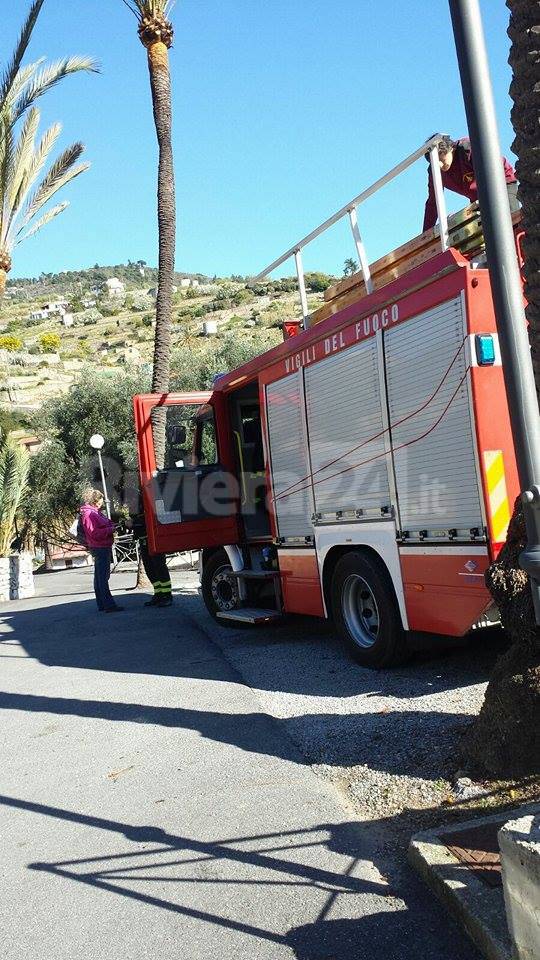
190,493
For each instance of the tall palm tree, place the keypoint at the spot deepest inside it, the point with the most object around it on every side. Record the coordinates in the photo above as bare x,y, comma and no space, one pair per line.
156,35
21,161
506,736
23,195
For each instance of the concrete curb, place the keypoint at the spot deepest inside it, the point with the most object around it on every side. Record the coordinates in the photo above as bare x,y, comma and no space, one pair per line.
477,907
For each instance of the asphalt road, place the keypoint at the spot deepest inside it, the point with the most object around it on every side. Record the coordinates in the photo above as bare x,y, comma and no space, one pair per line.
152,806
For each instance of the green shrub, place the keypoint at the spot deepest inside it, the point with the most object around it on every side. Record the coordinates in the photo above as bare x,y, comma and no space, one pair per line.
318,282
241,296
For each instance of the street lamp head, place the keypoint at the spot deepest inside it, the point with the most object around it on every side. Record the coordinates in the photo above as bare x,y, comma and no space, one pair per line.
96,441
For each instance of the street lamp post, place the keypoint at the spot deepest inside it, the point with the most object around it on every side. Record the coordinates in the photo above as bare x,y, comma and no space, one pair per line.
96,442
504,273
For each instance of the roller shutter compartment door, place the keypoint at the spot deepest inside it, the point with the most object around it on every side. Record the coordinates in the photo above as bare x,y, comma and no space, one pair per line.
346,431
293,502
434,451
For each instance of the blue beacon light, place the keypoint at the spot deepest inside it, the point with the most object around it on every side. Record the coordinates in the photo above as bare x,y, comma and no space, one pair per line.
485,349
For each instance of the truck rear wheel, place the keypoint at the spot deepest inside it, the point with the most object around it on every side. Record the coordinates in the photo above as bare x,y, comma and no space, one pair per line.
219,587
365,611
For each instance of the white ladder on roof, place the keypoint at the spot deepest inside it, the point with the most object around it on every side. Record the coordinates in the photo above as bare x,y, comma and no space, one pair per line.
350,210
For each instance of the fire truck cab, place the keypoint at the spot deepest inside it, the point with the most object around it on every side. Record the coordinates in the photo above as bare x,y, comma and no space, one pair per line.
363,470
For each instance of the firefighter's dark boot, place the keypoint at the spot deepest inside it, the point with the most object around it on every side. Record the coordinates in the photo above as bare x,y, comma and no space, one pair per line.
154,602
164,600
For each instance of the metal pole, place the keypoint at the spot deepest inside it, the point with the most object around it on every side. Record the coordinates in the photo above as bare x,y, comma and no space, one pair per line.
360,250
504,273
105,497
439,195
301,286
107,505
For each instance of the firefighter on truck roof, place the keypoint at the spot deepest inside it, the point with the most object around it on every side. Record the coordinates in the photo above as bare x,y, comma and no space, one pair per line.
457,171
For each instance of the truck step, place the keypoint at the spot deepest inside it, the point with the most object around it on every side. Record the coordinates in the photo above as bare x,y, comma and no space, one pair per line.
250,615
256,574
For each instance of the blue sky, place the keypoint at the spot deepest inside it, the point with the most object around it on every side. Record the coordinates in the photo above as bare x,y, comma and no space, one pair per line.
283,111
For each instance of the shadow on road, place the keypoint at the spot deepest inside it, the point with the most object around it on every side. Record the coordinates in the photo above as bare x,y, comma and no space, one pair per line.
304,658
73,634
269,861
335,735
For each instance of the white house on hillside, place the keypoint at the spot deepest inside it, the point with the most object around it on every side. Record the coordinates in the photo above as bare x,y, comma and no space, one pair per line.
57,306
114,287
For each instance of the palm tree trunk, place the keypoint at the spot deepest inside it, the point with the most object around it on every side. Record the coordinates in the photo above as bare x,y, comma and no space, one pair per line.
524,59
160,82
5,267
505,739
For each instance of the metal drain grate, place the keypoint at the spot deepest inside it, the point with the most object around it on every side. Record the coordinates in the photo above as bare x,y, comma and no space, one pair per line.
478,849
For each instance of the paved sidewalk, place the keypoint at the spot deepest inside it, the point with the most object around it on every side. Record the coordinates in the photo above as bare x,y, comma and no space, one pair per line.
151,808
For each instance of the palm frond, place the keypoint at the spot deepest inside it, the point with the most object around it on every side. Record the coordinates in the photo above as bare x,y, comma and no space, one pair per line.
150,8
50,215
22,154
12,69
69,175
14,468
6,165
23,164
34,168
23,77
53,180
47,78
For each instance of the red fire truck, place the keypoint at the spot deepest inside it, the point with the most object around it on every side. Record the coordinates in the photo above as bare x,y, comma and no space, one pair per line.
363,470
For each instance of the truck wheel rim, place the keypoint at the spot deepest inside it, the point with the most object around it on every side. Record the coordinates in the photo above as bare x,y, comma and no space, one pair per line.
360,611
224,589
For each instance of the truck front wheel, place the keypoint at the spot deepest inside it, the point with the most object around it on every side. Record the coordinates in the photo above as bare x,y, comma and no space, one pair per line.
219,588
365,611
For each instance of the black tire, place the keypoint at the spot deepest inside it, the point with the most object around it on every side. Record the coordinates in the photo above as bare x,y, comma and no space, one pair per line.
365,611
219,591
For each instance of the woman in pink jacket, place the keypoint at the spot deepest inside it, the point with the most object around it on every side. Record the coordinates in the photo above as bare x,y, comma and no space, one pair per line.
99,534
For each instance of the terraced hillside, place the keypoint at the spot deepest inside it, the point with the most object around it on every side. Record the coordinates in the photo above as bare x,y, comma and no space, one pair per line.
95,322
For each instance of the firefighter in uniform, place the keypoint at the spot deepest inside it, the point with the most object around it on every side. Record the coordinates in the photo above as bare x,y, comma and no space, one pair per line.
457,173
155,566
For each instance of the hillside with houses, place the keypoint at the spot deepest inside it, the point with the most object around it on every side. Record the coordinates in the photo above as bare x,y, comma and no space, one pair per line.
53,327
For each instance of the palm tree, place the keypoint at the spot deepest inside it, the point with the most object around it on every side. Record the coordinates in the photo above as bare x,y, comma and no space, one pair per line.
22,194
506,737
21,161
156,35
14,466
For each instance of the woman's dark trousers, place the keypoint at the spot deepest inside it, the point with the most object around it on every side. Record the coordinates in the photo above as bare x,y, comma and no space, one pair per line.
102,572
